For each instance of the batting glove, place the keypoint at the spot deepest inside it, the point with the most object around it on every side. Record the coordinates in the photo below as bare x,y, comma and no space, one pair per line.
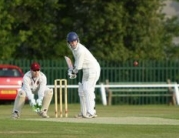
70,71
72,76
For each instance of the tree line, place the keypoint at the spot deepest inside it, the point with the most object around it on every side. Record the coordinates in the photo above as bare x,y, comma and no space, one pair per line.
112,30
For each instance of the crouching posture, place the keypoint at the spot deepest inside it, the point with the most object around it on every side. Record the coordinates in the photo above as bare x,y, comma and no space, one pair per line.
34,83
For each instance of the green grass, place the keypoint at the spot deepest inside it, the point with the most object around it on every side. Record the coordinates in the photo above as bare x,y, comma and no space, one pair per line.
25,128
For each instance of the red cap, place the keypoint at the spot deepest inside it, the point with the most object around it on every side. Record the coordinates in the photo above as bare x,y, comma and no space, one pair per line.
35,66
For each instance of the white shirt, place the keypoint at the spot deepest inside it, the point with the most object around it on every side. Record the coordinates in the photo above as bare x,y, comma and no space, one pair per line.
34,85
83,58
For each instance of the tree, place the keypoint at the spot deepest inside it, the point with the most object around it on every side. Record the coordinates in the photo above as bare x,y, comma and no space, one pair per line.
144,29
30,29
8,40
99,26
112,30
122,30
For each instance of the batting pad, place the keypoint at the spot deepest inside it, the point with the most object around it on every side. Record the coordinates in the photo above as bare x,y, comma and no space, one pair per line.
47,99
82,99
83,105
89,97
19,101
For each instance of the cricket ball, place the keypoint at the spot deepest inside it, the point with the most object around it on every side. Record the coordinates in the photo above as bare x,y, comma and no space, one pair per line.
135,63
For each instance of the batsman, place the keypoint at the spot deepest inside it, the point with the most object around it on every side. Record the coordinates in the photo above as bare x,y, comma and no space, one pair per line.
91,71
34,83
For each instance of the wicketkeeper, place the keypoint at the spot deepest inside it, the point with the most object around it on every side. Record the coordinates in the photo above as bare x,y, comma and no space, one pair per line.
91,71
34,83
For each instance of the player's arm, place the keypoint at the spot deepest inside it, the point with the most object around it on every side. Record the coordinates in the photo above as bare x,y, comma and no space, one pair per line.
43,83
72,73
42,87
26,87
79,60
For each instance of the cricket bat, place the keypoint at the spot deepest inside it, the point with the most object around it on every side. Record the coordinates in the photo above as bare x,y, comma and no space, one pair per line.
69,63
70,67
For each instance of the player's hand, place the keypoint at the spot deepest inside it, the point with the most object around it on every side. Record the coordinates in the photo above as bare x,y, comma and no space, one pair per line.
70,71
39,102
38,106
32,102
72,76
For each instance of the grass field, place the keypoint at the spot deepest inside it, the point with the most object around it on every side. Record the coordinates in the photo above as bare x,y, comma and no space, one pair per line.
154,121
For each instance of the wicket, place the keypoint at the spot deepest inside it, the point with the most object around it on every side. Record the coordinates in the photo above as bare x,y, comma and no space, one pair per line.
60,85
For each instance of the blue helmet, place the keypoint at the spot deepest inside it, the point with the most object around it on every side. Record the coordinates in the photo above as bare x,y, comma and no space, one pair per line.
72,36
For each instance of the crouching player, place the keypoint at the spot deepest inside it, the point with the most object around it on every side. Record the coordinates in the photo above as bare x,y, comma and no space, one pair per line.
34,83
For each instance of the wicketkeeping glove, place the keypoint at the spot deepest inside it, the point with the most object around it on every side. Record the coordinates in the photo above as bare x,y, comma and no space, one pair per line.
39,102
38,105
32,102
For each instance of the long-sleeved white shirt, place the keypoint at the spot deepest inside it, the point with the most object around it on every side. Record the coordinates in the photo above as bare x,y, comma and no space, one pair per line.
32,85
83,58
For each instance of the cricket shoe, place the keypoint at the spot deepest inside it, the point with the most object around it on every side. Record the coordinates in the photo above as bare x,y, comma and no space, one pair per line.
43,114
90,116
15,115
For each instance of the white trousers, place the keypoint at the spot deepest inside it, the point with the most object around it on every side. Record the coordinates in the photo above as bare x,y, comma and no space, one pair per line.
89,80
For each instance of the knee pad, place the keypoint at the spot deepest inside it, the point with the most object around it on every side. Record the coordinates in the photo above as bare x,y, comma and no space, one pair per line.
47,99
21,93
19,100
48,92
88,90
80,89
82,98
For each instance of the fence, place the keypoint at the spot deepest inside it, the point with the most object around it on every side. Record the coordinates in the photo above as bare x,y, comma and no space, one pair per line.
146,71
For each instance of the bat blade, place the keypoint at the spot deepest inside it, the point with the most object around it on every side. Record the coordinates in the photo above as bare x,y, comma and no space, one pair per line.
69,62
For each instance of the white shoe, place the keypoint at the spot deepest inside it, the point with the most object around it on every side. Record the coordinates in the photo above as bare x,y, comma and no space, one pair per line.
90,116
15,115
43,114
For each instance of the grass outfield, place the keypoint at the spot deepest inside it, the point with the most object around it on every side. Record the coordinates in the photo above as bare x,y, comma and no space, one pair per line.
112,122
